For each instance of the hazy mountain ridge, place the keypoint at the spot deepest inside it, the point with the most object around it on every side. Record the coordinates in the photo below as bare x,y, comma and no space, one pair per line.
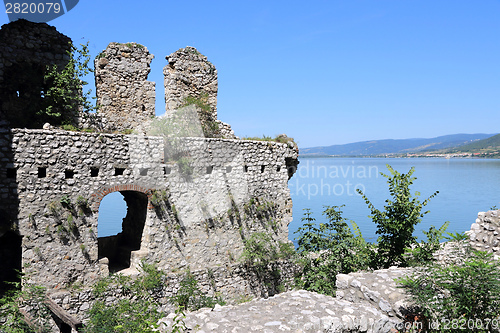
397,146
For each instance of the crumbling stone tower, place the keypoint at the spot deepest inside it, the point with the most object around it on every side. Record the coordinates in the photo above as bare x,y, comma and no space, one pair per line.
126,98
189,73
26,49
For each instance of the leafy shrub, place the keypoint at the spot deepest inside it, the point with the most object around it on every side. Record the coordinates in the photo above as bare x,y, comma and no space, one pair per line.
329,249
13,303
467,292
396,223
260,249
137,310
63,95
190,297
423,253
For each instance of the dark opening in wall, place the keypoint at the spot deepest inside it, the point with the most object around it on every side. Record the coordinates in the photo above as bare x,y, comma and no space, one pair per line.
118,236
143,172
94,172
229,169
68,174
245,168
210,169
119,171
262,168
167,170
278,168
42,172
10,259
11,173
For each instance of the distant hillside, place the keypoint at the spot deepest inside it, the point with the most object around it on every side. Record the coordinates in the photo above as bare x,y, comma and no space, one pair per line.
491,143
390,146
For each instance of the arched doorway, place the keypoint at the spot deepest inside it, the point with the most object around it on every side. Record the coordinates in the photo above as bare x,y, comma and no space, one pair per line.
118,247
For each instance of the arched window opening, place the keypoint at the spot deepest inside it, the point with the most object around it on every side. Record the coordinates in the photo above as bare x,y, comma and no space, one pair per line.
122,216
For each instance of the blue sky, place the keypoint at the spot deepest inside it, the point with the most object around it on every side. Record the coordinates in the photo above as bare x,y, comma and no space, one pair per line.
323,72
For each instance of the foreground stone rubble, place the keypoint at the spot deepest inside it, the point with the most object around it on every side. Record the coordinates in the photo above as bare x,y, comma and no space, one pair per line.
365,302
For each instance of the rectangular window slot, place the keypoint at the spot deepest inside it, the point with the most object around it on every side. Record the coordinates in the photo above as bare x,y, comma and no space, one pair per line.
94,172
167,170
11,173
144,172
42,172
68,174
119,171
245,168
229,169
278,168
262,168
210,169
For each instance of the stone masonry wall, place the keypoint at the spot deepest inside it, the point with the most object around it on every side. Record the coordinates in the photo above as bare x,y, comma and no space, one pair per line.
203,196
189,73
26,49
126,98
485,232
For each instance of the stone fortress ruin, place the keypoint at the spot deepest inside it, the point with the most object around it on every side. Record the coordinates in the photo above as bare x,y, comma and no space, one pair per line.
191,199
194,191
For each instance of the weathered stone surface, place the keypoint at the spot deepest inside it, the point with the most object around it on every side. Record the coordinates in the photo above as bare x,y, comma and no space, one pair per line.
293,311
484,233
126,98
189,73
26,49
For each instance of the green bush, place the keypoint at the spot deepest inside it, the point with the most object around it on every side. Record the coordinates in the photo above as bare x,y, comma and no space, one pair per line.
423,252
63,95
464,294
12,303
137,310
190,297
328,249
396,223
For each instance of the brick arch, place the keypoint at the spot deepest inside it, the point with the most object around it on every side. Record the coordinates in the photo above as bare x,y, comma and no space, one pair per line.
97,196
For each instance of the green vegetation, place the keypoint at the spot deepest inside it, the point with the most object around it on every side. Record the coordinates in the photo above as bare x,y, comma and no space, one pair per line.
190,297
260,250
28,300
396,223
464,294
336,250
332,247
63,95
278,138
208,123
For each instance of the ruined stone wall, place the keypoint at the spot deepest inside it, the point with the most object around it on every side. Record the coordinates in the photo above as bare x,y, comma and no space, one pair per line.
126,98
202,197
189,73
233,283
485,232
26,49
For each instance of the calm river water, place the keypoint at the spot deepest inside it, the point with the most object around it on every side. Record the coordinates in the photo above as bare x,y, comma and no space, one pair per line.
466,187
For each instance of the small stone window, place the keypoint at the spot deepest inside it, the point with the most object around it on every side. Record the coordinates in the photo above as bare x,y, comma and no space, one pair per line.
42,172
68,174
210,169
94,172
167,170
229,169
278,168
262,168
245,168
11,173
143,172
119,171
